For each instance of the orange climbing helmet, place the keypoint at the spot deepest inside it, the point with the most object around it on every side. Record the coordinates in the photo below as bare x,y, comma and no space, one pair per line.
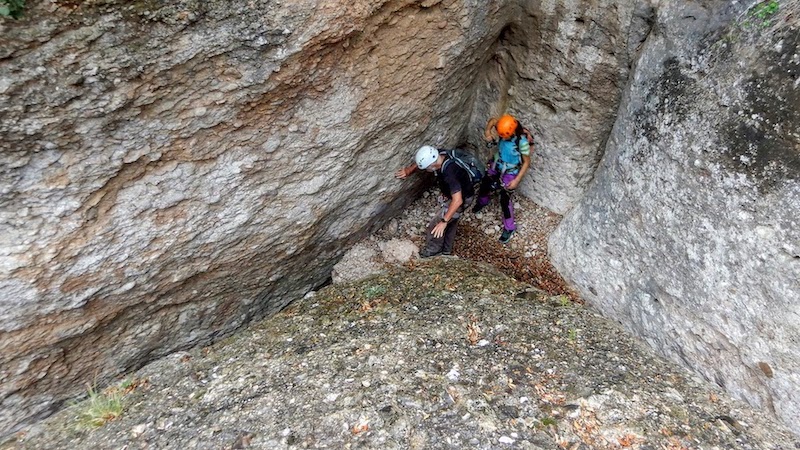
507,126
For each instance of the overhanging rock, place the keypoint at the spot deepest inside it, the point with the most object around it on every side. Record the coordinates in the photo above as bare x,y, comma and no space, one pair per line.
171,173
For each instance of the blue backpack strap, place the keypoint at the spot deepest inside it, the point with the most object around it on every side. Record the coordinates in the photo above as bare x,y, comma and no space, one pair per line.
448,158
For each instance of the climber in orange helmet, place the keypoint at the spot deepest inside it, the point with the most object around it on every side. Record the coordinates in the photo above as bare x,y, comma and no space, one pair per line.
506,169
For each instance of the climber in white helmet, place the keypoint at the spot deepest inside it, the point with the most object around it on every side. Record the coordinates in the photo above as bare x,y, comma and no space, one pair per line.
457,191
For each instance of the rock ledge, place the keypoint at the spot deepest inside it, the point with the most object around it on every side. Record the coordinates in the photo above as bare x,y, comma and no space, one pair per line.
445,353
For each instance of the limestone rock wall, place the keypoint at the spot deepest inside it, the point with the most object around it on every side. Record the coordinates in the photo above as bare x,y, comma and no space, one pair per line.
169,173
561,68
689,234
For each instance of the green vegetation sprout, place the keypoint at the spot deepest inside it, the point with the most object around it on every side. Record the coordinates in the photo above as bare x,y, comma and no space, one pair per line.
762,13
766,9
374,291
548,421
573,334
100,407
11,8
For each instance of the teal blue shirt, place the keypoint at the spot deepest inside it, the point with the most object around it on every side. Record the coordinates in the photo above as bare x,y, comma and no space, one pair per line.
508,158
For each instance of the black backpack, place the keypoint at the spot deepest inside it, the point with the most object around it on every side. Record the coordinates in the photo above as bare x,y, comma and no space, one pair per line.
467,161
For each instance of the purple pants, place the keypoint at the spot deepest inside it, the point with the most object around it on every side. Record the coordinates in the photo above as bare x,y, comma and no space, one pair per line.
493,181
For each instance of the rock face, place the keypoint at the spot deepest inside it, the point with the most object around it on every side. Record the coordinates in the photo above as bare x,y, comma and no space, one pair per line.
401,361
561,67
689,234
171,173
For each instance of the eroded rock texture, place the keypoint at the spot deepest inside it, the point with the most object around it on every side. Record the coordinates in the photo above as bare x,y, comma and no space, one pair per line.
171,172
689,234
561,67
399,361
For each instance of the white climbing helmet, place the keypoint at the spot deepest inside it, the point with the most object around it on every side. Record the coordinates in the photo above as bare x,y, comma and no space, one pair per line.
426,155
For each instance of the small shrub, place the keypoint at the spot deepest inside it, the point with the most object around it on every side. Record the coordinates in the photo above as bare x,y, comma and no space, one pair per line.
12,8
572,334
374,291
761,14
548,421
766,9
100,407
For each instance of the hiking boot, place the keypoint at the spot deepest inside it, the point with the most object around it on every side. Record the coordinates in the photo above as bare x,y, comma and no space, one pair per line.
478,208
428,254
506,236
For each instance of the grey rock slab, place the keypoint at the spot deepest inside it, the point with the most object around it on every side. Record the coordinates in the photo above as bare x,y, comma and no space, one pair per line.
409,371
689,233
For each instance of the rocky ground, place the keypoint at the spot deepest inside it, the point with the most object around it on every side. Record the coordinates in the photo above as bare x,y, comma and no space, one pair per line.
524,257
444,353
